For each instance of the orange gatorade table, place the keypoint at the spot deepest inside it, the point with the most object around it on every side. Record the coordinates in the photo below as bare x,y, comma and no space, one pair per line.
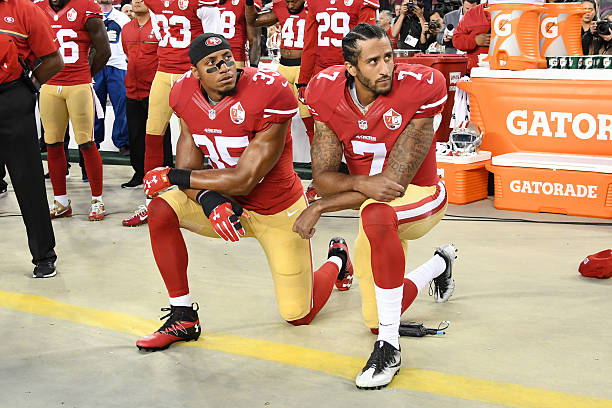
550,133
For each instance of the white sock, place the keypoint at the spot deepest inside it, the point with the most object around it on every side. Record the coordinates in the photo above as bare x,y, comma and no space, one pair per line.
389,303
62,199
422,275
337,260
184,300
96,198
147,201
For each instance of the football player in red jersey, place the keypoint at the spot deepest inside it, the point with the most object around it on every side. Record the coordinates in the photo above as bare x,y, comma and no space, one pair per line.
291,14
361,110
68,95
175,23
224,117
237,31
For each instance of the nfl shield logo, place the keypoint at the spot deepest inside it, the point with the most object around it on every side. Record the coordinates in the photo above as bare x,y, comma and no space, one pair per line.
348,3
363,124
71,15
212,114
237,113
392,119
183,4
166,3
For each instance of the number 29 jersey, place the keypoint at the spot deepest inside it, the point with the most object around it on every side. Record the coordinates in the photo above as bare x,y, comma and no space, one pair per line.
223,131
417,92
68,24
176,23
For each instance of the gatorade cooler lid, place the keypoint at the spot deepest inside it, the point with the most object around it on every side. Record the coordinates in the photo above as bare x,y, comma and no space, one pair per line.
533,2
576,162
556,74
474,158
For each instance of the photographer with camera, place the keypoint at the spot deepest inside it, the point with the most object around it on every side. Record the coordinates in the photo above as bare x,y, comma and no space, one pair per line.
411,26
434,27
450,22
587,19
598,39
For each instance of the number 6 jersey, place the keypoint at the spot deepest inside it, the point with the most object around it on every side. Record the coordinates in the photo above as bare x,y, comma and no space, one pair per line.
68,24
224,130
417,92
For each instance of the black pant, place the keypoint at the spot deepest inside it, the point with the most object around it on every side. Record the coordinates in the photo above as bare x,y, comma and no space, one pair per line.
21,154
137,113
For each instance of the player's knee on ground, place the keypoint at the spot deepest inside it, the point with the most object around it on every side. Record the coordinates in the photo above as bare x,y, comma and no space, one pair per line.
378,220
292,311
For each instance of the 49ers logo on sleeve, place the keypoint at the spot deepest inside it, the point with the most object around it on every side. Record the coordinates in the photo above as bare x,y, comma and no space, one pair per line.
392,119
237,113
71,15
183,4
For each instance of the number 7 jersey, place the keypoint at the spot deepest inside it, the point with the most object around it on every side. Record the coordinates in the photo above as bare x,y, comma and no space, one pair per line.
176,23
417,92
68,24
224,131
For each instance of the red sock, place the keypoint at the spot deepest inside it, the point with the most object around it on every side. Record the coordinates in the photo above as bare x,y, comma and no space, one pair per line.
388,263
168,247
56,159
410,293
309,123
93,167
154,152
323,284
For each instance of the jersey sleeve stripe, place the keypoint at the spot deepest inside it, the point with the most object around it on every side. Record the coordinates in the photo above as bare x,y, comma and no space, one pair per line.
282,112
207,3
431,105
371,3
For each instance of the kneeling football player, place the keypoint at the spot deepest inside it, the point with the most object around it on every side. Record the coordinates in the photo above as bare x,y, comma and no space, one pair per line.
239,119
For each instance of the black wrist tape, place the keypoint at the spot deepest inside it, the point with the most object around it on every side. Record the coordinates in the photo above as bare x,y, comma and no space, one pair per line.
180,177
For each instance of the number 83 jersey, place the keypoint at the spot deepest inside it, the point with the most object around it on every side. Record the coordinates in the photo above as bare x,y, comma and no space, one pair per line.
416,92
68,24
224,131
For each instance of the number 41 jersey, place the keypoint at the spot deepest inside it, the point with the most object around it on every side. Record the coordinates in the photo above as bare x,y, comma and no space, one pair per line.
417,92
223,131
68,24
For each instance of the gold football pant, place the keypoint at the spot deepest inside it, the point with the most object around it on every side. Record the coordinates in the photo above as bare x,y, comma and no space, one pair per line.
291,74
159,102
289,256
417,211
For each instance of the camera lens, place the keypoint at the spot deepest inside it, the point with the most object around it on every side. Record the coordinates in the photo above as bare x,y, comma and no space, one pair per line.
603,27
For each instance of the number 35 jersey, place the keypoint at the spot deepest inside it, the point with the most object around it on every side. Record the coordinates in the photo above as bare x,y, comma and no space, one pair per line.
417,92
176,23
68,24
224,131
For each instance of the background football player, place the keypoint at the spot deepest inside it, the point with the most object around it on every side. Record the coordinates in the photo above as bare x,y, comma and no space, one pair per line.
237,31
69,95
361,110
224,116
175,23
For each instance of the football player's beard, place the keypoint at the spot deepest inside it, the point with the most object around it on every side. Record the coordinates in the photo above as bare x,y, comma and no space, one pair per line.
371,85
60,5
230,91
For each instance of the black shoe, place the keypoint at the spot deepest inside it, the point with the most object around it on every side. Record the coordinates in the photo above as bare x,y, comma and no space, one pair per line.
84,177
383,365
124,151
444,283
44,270
135,182
338,247
183,324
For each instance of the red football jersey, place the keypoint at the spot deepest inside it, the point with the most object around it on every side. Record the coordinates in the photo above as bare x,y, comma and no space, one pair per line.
68,24
292,25
328,21
417,92
233,24
223,131
176,23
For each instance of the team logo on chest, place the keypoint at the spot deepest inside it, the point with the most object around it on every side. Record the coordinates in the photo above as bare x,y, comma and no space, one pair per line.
235,2
392,119
71,15
237,113
183,4
363,124
212,114
348,3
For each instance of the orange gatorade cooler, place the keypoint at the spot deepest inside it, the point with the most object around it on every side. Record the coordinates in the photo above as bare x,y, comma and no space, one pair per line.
514,34
560,30
465,177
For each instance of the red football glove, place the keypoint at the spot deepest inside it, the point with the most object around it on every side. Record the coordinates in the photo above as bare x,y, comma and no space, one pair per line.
301,88
156,180
223,214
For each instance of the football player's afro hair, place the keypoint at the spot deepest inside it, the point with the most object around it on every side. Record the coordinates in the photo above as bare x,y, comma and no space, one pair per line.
361,32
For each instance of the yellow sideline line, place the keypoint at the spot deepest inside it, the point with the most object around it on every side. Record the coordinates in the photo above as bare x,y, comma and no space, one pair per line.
468,388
